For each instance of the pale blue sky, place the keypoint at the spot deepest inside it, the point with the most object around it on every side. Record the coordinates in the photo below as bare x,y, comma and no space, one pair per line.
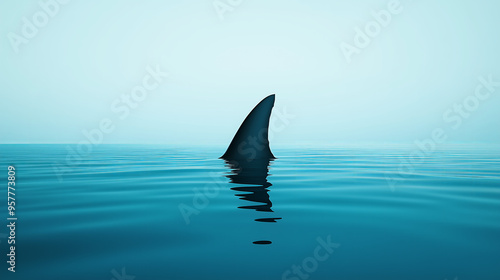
428,57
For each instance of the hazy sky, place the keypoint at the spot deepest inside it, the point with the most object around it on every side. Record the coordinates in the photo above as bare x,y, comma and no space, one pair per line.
88,62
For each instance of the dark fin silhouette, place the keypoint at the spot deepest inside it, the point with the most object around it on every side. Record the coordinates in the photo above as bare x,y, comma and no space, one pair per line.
251,140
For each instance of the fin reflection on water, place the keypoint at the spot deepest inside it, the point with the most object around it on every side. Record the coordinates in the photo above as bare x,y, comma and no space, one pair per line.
253,174
249,156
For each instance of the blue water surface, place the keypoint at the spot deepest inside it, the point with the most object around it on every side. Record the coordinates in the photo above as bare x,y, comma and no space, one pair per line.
163,212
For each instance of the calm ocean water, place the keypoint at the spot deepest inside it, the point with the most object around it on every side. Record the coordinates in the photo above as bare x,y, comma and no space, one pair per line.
156,212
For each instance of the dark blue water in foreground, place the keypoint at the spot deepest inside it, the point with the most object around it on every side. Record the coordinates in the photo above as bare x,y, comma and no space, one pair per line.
327,213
